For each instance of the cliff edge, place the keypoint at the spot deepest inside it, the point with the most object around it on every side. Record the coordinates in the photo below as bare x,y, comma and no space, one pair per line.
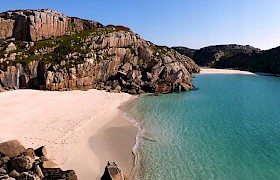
35,25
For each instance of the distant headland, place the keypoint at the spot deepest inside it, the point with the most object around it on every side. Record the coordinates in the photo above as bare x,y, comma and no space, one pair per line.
234,56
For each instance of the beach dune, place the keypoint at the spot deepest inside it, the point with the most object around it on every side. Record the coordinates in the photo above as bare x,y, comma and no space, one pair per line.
81,130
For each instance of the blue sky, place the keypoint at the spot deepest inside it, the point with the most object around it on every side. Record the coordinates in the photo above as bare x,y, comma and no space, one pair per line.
190,23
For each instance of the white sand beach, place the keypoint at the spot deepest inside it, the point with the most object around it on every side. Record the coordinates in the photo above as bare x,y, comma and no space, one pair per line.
81,130
223,71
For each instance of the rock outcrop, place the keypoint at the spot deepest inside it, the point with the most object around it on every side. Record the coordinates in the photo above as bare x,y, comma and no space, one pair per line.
113,172
35,25
12,148
112,58
16,162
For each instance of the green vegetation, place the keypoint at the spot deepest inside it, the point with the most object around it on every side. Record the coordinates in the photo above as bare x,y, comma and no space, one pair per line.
87,25
118,28
25,61
108,56
2,54
132,51
57,49
43,44
160,51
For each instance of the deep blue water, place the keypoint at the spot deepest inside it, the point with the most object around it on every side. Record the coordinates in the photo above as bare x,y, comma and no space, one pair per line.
228,129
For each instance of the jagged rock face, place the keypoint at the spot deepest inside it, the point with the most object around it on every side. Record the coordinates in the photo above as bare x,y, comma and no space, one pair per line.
35,25
112,58
116,39
24,76
134,67
78,24
32,25
6,26
116,61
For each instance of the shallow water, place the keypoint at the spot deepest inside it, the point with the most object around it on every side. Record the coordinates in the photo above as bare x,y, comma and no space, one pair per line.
227,129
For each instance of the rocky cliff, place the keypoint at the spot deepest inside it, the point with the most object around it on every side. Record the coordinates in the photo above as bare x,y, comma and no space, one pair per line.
236,57
35,25
112,58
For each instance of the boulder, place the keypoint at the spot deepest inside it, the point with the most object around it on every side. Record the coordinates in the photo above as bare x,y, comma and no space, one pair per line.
25,167
4,160
10,47
48,164
43,158
3,171
4,176
113,172
14,174
53,173
41,151
2,40
39,171
71,175
30,152
26,175
21,164
57,173
186,86
11,148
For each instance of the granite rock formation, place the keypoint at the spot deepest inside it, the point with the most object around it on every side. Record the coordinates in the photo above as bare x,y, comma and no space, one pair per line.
35,25
236,57
112,58
113,172
18,163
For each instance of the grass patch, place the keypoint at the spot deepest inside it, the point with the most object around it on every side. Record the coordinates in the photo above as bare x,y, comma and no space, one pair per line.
27,60
43,44
62,46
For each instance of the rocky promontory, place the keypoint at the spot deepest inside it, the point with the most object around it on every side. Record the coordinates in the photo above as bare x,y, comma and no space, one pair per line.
87,55
234,56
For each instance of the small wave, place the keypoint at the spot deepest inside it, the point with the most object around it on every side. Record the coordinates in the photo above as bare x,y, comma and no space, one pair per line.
136,146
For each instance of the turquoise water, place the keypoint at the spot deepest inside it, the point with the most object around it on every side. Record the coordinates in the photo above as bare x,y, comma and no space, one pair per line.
228,129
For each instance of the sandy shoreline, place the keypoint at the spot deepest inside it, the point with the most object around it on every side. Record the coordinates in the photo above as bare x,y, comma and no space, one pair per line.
223,71
81,130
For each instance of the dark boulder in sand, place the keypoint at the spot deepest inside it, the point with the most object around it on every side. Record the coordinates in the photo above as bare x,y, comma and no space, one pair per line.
113,172
11,148
18,163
